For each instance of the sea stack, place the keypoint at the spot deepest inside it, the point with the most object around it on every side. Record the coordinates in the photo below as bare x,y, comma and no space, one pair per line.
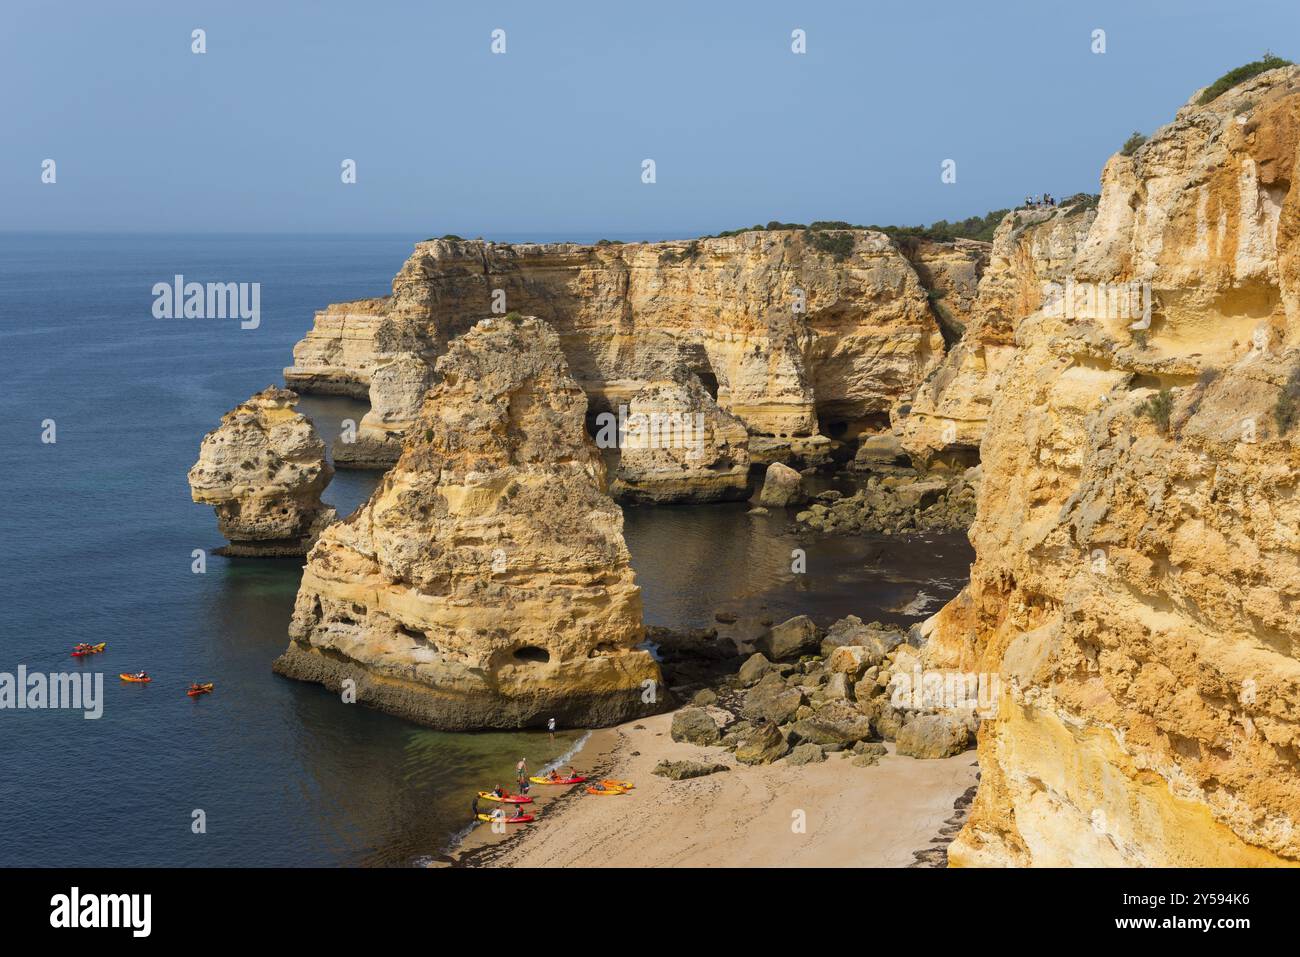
676,445
263,471
486,583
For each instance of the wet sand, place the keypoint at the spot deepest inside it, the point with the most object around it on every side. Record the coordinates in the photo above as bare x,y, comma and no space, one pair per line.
745,817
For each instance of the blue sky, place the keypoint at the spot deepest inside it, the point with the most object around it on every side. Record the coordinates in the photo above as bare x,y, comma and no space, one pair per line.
550,136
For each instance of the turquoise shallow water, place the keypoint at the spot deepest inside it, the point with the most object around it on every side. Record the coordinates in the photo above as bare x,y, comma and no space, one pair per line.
98,533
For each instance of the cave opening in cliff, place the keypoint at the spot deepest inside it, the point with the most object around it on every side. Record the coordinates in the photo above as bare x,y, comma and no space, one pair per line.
532,654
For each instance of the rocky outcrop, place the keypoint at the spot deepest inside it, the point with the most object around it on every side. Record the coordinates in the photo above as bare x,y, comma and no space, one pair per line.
397,388
675,445
899,504
782,487
947,417
263,470
1137,565
796,340
486,583
950,273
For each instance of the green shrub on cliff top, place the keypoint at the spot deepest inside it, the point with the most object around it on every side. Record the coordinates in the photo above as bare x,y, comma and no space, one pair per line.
1240,75
1132,144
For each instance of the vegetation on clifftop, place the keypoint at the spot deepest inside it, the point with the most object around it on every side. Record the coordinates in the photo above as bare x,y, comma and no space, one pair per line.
1240,75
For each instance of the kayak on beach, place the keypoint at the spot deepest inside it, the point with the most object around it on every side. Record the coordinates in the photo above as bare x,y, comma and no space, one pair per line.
620,785
139,678
603,789
80,651
545,780
196,689
505,799
517,819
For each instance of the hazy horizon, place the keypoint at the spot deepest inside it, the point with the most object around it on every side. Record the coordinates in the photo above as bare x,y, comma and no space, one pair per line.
549,137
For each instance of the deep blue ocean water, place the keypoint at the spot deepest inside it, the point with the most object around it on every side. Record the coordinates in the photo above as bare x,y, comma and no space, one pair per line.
98,530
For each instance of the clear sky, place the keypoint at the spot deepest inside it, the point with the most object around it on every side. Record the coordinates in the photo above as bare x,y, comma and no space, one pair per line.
551,135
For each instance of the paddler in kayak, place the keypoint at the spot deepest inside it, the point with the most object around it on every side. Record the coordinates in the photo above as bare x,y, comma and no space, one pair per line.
140,675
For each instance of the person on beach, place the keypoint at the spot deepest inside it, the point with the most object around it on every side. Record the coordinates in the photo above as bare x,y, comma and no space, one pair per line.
476,812
521,774
550,727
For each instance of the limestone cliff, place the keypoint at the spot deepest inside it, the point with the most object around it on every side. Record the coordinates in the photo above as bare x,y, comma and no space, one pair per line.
486,583
946,418
1138,564
793,339
263,471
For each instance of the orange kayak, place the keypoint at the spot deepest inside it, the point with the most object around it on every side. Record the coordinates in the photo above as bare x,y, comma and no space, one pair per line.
200,689
82,650
603,789
135,680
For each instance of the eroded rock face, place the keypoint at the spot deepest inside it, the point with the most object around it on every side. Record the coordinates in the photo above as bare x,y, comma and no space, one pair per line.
792,336
397,389
263,470
947,418
486,583
1137,564
678,446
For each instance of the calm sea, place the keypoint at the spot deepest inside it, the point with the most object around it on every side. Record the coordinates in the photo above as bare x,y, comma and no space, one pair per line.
97,538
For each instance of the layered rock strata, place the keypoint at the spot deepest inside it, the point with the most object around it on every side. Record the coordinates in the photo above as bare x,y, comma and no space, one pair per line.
1138,568
947,417
486,583
675,445
799,343
262,471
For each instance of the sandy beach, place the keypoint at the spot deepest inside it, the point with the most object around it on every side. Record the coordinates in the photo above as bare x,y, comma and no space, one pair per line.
745,817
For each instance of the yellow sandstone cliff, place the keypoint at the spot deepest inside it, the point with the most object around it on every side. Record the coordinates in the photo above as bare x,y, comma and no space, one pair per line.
486,583
798,342
1138,530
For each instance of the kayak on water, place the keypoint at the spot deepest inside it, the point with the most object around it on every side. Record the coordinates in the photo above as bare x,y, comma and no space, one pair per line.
507,799
602,789
545,780
620,785
517,819
80,651
139,678
196,690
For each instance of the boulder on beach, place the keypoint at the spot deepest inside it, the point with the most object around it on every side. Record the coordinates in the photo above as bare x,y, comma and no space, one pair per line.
788,639
763,743
933,736
695,726
683,770
805,754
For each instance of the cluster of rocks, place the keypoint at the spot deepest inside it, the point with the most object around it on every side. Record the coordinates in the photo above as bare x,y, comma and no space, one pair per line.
897,504
806,693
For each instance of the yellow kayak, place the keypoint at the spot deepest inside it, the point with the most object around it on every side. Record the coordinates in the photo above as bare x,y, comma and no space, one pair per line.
517,819
621,785
543,780
603,789
507,799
